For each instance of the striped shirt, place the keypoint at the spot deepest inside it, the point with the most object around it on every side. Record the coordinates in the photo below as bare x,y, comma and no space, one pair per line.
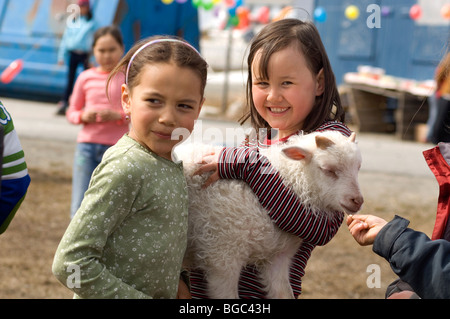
15,179
283,206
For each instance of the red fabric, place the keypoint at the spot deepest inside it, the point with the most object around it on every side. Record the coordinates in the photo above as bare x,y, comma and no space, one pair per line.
441,171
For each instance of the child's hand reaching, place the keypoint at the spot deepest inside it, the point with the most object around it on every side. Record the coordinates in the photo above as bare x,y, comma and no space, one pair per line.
209,164
364,228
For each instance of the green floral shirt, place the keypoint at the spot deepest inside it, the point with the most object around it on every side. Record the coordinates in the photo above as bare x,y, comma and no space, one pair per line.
128,238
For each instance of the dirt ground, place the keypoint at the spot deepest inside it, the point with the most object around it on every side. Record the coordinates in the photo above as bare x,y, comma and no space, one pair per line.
337,270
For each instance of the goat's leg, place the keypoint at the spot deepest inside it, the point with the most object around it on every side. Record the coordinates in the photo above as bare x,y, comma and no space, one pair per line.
223,282
275,275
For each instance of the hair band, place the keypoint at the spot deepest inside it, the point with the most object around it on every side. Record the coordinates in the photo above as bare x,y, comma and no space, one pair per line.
150,43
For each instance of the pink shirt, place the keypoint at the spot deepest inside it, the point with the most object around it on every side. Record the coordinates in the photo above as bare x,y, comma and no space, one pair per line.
89,93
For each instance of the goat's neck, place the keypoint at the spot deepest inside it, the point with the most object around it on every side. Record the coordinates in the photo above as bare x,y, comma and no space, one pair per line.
292,173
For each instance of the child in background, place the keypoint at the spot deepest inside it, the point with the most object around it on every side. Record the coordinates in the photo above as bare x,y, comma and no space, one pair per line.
291,89
102,117
129,236
14,177
75,48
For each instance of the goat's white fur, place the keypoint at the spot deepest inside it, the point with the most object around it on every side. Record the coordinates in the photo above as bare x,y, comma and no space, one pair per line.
228,227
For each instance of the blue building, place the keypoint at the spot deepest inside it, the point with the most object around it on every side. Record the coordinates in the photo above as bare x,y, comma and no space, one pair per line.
400,45
32,29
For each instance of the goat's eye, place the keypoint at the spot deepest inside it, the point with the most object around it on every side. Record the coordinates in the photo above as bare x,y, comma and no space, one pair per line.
329,172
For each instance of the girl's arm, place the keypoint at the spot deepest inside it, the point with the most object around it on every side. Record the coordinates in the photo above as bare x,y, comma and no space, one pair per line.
283,205
77,263
77,102
14,177
62,51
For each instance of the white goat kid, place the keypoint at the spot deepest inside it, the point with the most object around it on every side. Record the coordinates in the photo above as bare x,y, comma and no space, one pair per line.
229,229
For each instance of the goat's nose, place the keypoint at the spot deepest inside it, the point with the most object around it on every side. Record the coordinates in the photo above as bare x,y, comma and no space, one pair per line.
359,200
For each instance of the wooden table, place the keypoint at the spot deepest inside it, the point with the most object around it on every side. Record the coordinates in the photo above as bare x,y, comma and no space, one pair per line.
368,108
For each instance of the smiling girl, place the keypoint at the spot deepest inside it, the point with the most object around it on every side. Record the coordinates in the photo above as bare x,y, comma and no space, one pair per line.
291,89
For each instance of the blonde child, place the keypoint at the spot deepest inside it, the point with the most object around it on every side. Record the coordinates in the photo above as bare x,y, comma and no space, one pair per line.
102,116
129,236
291,89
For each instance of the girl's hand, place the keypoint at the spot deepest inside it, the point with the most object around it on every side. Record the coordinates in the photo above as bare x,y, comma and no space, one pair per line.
108,115
364,228
89,116
209,164
183,291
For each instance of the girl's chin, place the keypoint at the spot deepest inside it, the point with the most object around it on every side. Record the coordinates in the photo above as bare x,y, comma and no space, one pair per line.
279,124
283,131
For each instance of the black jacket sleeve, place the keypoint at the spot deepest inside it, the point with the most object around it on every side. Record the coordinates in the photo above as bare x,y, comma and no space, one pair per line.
415,258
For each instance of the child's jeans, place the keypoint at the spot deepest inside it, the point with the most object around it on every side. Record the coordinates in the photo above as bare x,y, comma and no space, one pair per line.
87,157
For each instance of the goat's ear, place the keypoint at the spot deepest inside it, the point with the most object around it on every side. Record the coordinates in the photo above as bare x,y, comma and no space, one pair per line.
352,137
323,142
296,153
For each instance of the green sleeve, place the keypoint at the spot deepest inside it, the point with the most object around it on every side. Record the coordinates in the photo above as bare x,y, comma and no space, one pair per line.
78,260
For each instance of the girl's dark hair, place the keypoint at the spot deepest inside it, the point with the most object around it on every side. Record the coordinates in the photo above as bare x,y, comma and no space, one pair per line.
161,52
113,30
443,70
89,15
279,35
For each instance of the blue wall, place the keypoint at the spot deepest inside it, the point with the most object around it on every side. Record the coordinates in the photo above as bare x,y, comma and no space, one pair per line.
401,46
156,18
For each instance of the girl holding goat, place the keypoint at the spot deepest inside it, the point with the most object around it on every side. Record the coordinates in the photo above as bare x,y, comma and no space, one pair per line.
291,89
